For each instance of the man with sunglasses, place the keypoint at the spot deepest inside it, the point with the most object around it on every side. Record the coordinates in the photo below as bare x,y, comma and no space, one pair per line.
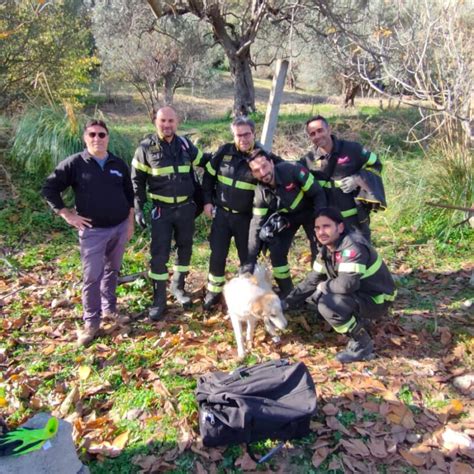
103,215
163,172
349,173
229,188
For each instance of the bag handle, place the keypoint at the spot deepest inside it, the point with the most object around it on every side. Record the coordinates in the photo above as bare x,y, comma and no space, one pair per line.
244,371
265,457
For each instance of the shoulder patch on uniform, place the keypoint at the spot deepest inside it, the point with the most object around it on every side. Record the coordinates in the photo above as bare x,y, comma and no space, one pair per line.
303,173
349,253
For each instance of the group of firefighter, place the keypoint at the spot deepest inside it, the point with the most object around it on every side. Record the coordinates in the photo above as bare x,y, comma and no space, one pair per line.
253,196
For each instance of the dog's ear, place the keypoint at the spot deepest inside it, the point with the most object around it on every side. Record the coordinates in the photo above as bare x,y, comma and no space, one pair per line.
262,306
258,307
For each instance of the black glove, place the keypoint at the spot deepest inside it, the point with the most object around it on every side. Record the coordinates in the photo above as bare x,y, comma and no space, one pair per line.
140,218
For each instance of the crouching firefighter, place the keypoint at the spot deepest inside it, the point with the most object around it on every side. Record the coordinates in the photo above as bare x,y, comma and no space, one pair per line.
350,285
162,170
287,198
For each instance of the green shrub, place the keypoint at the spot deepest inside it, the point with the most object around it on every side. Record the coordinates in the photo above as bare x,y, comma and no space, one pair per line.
411,182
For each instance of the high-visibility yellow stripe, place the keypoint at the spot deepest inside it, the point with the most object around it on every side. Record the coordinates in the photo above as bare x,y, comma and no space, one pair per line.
349,212
281,272
348,267
214,288
297,200
260,211
210,169
373,268
347,327
140,166
380,299
372,159
324,184
318,268
181,268
158,276
167,199
237,184
215,278
165,170
309,182
246,186
198,158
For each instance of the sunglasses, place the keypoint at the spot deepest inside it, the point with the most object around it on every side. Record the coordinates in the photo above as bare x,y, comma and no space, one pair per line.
99,134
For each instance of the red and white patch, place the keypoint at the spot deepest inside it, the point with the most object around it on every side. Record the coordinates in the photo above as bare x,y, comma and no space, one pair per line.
337,257
342,160
349,253
290,187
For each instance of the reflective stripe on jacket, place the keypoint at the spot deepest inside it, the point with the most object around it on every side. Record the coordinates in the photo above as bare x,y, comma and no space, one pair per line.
163,172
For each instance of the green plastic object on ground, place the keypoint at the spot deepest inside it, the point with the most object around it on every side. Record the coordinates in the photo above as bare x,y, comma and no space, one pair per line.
24,440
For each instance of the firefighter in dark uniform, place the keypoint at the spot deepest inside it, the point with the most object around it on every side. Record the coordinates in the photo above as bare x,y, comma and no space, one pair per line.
162,170
287,197
228,189
349,173
350,285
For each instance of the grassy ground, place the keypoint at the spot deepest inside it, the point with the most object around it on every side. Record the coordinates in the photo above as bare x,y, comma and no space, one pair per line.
130,394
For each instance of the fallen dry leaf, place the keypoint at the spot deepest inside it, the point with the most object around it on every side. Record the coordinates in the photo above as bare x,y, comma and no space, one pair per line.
377,448
356,447
458,467
417,460
84,372
121,440
330,409
245,462
319,456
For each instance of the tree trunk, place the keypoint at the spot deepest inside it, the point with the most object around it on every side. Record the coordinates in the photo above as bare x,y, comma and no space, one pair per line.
168,89
244,91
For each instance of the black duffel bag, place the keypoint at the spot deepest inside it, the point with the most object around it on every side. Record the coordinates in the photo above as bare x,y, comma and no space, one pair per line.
273,400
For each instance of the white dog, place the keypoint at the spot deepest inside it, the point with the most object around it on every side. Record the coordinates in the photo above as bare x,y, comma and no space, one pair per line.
250,298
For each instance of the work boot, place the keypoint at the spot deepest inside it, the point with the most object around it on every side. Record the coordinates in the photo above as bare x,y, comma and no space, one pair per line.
156,311
177,289
87,335
211,300
360,347
285,286
115,317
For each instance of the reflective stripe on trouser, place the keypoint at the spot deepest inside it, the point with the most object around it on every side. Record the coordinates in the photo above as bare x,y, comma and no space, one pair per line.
343,312
174,222
215,283
226,225
101,249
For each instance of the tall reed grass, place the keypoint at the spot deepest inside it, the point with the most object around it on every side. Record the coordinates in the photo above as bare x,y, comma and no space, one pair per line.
45,136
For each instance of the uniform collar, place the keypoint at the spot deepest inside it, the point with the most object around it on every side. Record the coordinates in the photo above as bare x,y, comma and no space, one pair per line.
336,146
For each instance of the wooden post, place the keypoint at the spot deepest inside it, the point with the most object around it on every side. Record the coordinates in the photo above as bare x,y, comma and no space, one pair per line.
273,106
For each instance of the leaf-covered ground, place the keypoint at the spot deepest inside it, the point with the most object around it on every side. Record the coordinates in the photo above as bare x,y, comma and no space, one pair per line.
130,395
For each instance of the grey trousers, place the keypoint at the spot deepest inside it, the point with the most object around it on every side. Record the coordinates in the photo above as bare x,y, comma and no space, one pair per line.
102,249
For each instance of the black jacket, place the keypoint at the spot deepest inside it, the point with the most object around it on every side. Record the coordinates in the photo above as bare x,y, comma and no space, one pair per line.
164,172
353,268
348,158
296,193
103,195
228,181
